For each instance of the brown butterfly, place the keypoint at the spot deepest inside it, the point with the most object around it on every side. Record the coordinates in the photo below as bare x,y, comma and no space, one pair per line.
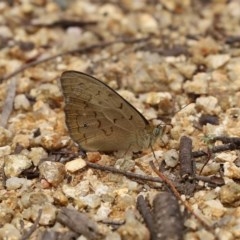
99,119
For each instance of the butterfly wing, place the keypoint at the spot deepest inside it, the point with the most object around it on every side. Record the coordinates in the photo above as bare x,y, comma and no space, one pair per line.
98,118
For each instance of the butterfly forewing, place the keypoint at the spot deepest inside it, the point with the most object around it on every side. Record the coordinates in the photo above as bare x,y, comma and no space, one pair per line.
98,118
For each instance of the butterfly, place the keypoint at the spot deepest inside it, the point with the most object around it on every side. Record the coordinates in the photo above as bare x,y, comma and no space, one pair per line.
99,119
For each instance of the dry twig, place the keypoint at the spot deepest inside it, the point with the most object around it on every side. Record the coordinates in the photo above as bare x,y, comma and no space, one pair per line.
185,158
145,211
168,220
119,171
79,223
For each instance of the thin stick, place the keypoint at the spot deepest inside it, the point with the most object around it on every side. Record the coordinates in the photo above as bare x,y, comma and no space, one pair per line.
221,148
127,174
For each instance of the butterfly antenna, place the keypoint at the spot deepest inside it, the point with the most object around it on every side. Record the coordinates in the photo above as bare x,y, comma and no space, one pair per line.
154,155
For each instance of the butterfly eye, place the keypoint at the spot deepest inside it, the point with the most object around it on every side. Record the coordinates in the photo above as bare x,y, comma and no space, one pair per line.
157,131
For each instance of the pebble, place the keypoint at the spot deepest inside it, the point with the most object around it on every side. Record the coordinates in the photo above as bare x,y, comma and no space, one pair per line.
69,191
171,158
6,215
21,102
147,23
125,164
208,105
231,170
155,98
224,234
226,157
230,194
125,200
16,164
199,84
213,208
5,150
133,229
14,183
6,32
75,165
9,231
53,172
37,154
34,198
103,211
90,200
60,198
48,215
5,136
217,60
113,236
204,234
82,188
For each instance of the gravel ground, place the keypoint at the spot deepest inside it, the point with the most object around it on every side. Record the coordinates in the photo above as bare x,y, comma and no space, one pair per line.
178,63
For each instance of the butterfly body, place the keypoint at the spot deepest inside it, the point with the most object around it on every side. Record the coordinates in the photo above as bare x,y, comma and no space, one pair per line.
99,119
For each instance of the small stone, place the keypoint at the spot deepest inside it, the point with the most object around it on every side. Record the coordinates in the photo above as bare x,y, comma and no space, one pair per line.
33,198
91,200
53,172
230,194
16,164
125,164
125,200
9,231
83,188
204,234
48,215
60,198
213,208
208,105
37,154
147,23
75,165
45,184
131,185
5,150
133,229
53,141
6,215
226,157
199,84
14,183
5,136
101,189
113,236
171,158
225,234
217,60
155,98
210,169
21,102
231,170
103,211
69,191
187,69
93,156
21,139
6,32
